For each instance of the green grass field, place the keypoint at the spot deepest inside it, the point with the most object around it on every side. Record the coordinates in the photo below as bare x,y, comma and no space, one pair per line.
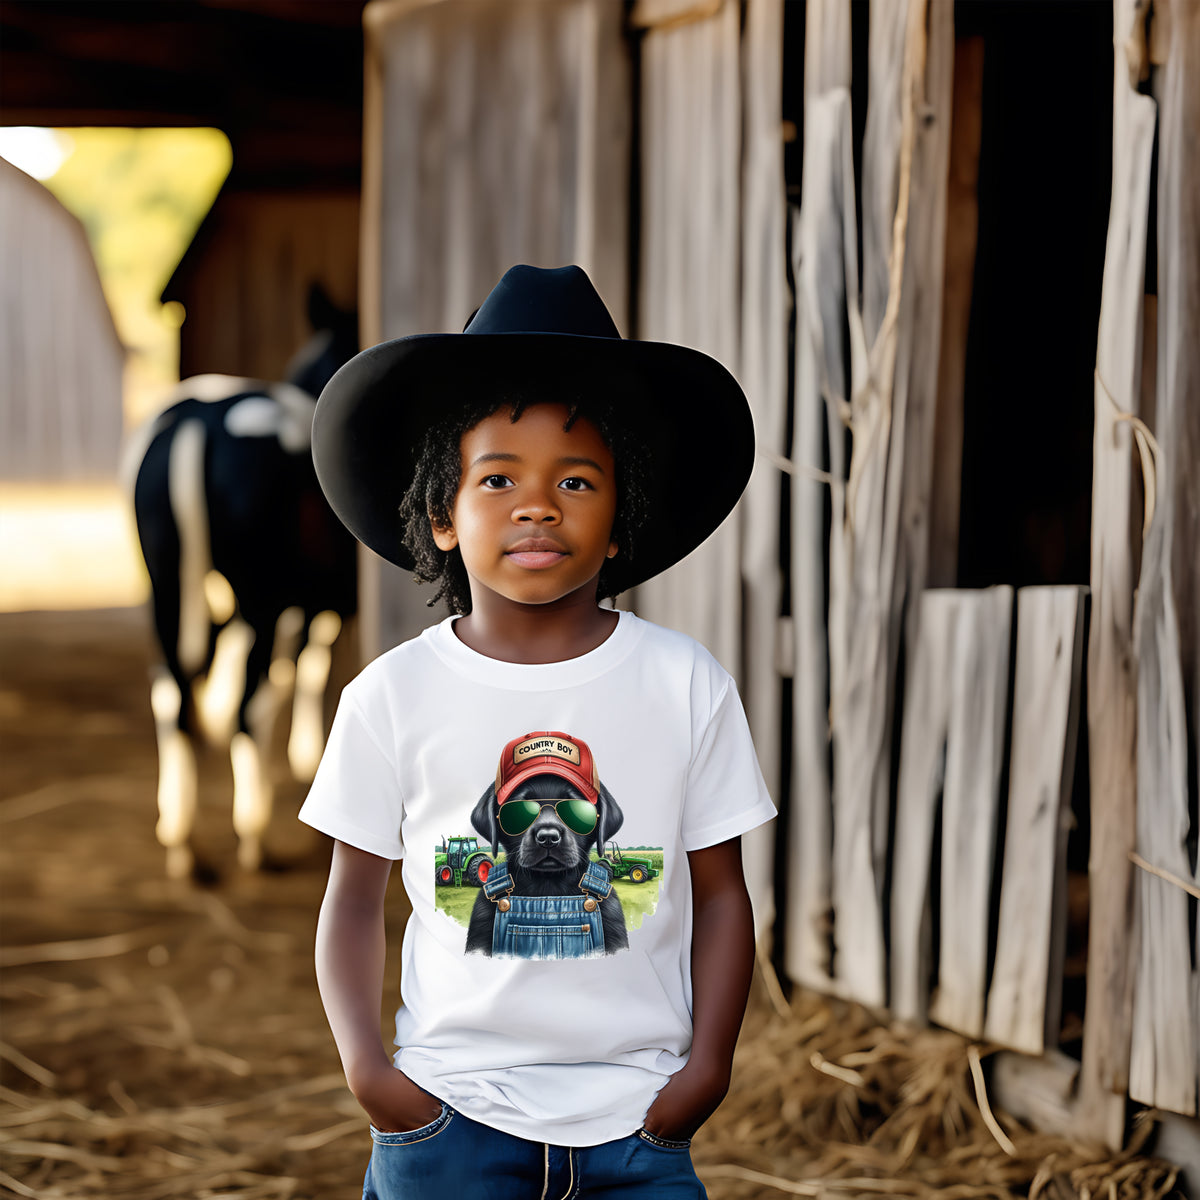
638,900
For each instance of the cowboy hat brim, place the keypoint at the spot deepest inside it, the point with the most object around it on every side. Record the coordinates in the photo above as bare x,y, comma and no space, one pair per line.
683,405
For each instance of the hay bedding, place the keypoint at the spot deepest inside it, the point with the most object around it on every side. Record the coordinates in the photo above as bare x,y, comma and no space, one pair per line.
162,1042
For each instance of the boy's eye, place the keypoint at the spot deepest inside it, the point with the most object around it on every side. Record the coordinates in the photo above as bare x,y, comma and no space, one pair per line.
575,484
496,481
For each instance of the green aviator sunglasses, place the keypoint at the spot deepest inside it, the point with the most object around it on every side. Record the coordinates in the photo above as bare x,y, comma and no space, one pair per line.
516,816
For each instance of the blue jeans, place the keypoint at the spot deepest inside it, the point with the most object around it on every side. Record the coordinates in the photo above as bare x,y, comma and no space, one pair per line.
454,1157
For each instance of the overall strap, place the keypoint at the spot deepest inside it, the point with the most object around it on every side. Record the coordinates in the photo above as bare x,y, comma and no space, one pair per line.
498,883
596,880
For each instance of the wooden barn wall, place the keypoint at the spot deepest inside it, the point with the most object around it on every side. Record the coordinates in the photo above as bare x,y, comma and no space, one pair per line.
871,358
713,276
245,289
61,361
497,132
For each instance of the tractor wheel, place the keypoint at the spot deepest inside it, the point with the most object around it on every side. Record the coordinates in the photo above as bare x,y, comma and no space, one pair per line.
443,876
637,875
478,869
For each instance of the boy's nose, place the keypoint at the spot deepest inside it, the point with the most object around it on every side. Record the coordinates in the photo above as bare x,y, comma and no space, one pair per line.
537,507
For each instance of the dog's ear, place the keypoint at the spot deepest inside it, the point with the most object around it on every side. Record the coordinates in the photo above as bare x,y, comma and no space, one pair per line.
611,818
484,819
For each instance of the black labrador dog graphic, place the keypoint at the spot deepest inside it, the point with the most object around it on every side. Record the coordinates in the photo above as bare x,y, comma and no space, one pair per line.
548,858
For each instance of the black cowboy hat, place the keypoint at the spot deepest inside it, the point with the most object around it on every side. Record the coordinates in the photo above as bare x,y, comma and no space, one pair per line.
541,334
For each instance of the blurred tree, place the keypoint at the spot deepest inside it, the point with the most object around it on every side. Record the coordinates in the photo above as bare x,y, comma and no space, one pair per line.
141,194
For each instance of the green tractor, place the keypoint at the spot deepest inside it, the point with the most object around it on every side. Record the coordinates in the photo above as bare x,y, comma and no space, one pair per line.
636,870
460,861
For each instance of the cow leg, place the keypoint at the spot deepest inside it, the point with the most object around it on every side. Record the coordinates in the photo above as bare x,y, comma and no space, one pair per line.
176,777
220,694
269,672
307,740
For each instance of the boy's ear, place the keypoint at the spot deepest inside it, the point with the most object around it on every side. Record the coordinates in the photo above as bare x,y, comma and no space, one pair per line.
613,549
483,817
444,537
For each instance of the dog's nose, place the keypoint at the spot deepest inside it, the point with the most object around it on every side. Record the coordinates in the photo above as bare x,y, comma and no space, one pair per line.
548,835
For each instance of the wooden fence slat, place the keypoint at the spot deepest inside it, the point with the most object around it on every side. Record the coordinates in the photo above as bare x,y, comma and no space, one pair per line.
1024,999
952,748
970,805
922,770
1163,1066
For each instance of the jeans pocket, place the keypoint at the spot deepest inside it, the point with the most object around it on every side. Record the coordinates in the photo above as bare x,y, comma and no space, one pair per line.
663,1143
408,1137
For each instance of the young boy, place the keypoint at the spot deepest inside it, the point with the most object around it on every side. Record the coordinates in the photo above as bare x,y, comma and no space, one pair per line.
571,997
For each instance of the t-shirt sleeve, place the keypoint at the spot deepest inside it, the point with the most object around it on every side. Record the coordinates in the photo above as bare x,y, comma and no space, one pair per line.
356,796
726,795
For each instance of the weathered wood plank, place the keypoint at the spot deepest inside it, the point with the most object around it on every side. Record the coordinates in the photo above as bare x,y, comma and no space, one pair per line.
952,751
689,276
1023,1002
962,231
862,622
498,132
764,377
1111,665
922,771
918,346
1163,1066
826,272
884,533
970,804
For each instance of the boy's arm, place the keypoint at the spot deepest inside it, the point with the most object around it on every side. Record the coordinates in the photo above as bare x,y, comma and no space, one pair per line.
350,955
722,967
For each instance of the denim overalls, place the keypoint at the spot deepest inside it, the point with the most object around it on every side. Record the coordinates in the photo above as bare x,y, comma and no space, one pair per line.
548,926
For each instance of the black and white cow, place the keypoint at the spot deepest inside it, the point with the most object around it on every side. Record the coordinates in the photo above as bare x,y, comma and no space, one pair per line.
251,575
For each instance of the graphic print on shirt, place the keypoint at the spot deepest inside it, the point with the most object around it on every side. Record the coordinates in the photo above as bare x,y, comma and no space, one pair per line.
551,877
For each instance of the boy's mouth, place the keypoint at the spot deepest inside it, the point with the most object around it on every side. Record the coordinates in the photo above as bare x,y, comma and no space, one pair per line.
535,553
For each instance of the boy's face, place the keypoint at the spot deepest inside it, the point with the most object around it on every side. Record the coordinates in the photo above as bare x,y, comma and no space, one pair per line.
534,512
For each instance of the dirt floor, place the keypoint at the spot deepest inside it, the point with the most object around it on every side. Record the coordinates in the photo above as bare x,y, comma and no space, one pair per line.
164,1040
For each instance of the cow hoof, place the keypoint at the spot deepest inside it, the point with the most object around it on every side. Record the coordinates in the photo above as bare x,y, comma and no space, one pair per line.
180,862
250,854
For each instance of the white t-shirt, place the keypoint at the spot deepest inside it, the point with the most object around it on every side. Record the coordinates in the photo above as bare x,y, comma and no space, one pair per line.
570,1051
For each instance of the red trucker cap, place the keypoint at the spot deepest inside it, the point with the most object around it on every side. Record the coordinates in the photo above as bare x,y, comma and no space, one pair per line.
547,752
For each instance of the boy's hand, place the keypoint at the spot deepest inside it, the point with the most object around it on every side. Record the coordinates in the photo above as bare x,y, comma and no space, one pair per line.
722,962
686,1101
394,1103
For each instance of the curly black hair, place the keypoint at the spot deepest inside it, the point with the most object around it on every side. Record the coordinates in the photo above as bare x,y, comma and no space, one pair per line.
438,473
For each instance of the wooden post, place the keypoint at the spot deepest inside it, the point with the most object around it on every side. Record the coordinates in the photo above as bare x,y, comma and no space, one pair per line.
1166,1039
1111,665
